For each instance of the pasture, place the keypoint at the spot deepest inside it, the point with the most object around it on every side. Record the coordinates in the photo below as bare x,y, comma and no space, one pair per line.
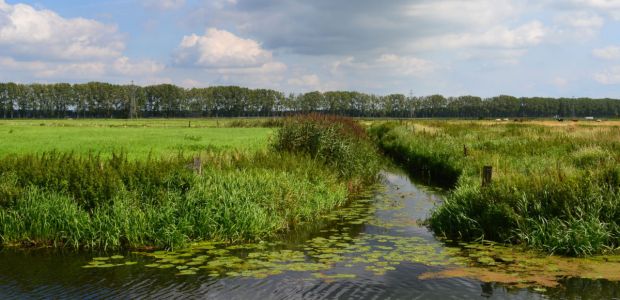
136,138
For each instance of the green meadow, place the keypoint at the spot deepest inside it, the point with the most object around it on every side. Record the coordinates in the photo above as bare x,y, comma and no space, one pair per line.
136,138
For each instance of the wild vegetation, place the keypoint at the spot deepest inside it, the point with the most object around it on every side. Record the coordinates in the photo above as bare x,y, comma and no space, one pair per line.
104,100
554,187
90,201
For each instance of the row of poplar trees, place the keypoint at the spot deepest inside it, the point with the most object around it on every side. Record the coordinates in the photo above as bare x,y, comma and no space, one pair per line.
104,100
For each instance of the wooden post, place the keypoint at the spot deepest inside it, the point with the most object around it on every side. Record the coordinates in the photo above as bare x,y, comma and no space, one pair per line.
465,150
189,124
487,175
198,165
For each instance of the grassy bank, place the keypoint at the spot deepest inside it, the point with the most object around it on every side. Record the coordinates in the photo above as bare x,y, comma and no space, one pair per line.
554,187
113,201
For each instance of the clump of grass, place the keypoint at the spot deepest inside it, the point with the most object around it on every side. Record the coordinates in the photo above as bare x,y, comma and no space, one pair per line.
553,189
228,201
339,142
91,180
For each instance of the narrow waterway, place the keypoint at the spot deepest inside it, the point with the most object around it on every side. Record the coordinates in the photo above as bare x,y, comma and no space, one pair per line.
374,249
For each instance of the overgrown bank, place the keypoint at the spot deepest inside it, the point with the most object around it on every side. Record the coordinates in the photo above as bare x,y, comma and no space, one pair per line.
554,188
82,201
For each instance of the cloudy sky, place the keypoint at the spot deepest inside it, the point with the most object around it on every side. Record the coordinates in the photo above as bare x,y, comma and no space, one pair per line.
452,47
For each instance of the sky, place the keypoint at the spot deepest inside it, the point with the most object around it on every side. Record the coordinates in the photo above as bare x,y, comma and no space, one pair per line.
553,48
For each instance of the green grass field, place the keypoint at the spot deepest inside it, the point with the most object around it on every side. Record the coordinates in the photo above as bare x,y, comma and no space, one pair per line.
137,138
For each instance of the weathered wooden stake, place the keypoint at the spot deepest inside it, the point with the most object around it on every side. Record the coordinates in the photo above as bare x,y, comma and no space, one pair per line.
198,165
487,175
189,124
465,150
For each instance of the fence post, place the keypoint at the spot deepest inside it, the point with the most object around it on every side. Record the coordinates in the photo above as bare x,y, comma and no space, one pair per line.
198,165
465,150
487,175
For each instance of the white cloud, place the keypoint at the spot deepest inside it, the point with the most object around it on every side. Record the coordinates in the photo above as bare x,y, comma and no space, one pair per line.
405,65
611,7
163,4
581,19
311,81
233,59
264,69
577,25
125,66
610,52
387,63
41,69
610,76
122,66
220,49
529,34
45,45
42,34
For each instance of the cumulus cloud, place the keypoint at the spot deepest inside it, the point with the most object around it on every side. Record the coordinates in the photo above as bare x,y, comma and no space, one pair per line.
47,45
163,4
220,49
28,33
610,76
610,52
230,59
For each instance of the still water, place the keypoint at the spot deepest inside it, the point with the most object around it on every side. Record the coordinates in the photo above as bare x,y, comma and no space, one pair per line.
374,249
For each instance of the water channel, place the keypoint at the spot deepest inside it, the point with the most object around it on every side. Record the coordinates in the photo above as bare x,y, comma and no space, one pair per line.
374,249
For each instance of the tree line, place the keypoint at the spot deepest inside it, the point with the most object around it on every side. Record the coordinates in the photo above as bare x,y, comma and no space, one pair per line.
104,100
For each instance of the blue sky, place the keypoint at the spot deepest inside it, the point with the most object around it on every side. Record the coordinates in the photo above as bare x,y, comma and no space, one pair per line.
565,48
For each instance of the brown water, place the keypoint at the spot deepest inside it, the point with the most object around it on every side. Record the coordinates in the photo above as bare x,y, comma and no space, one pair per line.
374,249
